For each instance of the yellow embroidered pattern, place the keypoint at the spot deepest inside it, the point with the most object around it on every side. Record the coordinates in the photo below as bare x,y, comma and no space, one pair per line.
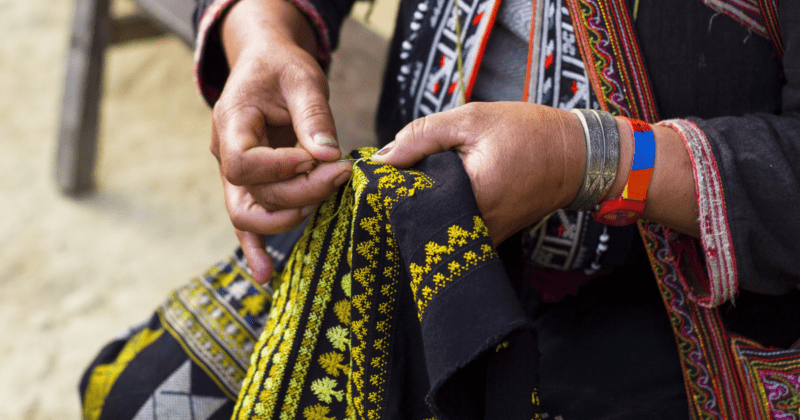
104,376
458,237
212,329
392,187
354,344
322,296
271,356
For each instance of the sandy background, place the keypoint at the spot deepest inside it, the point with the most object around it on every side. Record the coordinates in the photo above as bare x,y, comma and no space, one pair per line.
75,272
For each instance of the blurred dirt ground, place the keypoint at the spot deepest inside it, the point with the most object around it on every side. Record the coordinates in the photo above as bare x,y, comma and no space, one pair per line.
74,273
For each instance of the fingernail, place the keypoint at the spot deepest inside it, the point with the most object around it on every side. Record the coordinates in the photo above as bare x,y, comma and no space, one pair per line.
385,149
305,211
305,167
341,179
326,140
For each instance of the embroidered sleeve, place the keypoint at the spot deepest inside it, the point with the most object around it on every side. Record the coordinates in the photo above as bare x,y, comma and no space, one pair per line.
715,233
210,65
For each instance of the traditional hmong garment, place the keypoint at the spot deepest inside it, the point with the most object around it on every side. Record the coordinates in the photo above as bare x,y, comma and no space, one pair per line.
726,376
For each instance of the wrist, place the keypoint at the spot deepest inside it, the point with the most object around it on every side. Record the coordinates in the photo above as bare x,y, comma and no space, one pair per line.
574,159
251,26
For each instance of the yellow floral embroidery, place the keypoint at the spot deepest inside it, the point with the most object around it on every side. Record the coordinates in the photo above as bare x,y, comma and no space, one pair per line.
361,338
342,311
317,412
272,353
332,363
338,338
253,303
324,389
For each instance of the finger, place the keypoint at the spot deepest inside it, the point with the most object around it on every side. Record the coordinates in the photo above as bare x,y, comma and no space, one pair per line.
311,114
254,249
422,137
247,215
244,160
303,190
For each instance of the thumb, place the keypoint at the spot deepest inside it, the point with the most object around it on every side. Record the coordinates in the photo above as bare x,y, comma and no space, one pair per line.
422,137
313,121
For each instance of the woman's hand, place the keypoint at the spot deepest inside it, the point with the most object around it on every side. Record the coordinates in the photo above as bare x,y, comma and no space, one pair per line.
276,97
524,160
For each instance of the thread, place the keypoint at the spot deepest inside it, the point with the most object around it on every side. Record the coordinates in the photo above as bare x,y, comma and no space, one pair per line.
462,99
317,225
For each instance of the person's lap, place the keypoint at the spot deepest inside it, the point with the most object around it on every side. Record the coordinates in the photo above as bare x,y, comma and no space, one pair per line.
607,353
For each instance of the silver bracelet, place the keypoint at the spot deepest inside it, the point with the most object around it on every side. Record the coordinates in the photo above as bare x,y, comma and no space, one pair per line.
602,157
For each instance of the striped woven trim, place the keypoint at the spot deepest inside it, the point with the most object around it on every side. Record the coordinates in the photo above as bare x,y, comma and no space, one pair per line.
206,35
759,16
606,38
769,10
715,234
746,12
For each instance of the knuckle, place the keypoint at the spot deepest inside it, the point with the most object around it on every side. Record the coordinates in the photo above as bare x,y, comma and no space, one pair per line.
473,110
238,220
271,200
418,127
232,169
214,144
315,111
222,110
300,75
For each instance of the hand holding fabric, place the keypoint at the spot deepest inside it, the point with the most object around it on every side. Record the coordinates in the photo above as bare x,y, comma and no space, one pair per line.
527,160
524,160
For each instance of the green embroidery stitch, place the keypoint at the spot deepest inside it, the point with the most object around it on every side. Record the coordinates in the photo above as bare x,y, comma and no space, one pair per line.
338,337
324,389
317,412
332,363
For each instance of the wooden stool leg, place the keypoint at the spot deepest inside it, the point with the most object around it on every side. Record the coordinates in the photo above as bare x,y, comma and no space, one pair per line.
77,140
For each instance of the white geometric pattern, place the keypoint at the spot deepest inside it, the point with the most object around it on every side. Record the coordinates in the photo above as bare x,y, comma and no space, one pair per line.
173,400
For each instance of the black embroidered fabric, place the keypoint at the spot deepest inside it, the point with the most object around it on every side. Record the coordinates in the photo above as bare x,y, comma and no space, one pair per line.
395,304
